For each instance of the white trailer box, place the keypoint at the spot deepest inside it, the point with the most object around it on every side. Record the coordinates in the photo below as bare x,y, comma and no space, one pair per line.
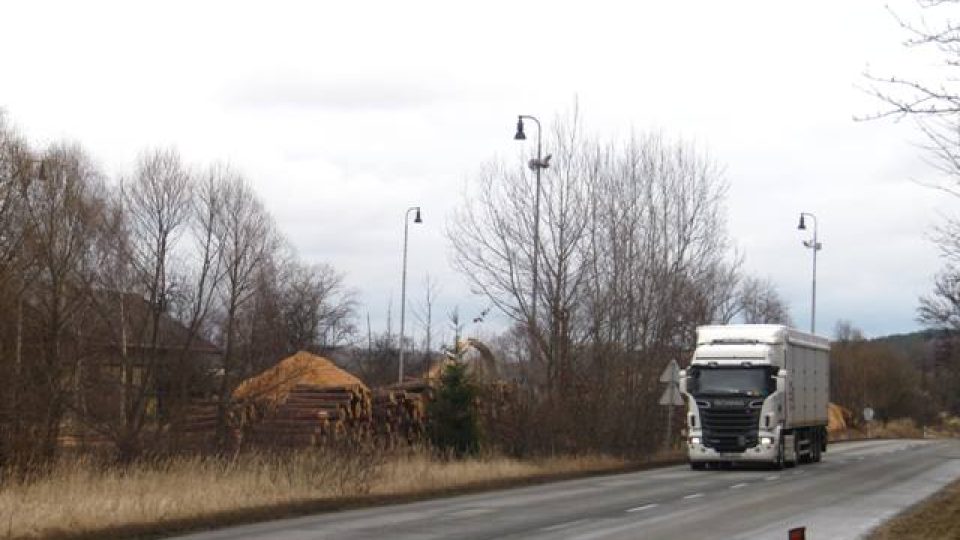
757,393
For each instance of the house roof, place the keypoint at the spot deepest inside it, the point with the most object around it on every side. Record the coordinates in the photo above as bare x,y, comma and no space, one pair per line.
125,315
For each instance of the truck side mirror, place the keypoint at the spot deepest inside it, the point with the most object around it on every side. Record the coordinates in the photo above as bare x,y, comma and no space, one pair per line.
782,380
682,380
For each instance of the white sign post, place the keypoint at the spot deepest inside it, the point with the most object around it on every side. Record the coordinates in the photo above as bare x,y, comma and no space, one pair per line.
671,394
868,416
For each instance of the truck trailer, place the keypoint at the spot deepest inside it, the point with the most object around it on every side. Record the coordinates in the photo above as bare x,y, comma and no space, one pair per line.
756,393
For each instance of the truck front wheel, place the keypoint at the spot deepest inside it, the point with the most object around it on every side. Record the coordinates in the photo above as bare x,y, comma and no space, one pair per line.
779,461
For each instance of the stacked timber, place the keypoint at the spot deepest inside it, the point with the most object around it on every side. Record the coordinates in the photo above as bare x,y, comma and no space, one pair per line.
399,416
304,400
200,417
197,428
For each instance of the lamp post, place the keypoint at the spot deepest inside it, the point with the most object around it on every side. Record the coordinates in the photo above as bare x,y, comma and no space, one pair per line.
403,286
815,246
535,164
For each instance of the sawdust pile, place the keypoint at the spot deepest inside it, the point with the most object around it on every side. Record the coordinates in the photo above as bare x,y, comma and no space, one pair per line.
837,418
303,368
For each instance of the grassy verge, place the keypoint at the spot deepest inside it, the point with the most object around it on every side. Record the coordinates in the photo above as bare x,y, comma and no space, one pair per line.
933,519
83,500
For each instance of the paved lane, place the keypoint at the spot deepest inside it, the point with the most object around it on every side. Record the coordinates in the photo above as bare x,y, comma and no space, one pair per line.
856,487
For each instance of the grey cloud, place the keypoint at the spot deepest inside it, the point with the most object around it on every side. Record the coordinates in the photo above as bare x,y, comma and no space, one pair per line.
342,93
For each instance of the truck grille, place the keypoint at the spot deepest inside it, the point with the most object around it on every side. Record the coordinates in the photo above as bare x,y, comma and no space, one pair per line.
730,430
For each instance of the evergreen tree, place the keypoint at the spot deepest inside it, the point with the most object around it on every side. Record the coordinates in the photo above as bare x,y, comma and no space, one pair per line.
454,424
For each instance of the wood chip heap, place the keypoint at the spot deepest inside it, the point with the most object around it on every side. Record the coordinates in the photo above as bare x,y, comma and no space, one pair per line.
837,418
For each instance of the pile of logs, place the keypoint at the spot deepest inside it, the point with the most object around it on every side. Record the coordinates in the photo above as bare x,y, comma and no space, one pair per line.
197,427
306,400
399,416
200,416
312,415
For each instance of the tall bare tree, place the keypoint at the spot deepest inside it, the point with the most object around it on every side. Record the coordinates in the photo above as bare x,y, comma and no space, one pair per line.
932,100
635,255
204,279
423,313
62,212
493,243
18,169
247,241
157,204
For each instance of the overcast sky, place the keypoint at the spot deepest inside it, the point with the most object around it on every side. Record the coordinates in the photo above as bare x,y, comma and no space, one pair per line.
343,114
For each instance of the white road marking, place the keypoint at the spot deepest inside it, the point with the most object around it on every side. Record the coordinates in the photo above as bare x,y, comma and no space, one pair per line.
740,485
774,477
642,508
564,525
693,496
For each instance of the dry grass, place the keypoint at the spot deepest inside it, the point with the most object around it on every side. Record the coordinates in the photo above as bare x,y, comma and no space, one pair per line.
901,428
80,499
420,473
936,518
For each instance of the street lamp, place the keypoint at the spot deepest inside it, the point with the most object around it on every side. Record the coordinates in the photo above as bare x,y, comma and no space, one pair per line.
403,287
535,164
814,246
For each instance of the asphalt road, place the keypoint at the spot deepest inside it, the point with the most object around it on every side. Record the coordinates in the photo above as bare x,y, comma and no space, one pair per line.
856,487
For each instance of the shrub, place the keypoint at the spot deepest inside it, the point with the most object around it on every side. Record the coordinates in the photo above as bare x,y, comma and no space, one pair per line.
452,416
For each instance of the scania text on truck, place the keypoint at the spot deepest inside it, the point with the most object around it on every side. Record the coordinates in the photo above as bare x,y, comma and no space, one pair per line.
756,393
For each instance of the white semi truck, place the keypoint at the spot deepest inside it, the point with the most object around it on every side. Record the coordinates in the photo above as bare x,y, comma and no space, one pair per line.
756,393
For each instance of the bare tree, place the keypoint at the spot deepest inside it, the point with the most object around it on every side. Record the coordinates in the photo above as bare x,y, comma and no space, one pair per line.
157,203
761,303
247,241
423,313
105,293
202,283
492,239
935,106
18,170
871,373
316,307
62,212
634,256
660,265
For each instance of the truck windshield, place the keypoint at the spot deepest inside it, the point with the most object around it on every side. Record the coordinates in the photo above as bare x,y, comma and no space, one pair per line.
753,381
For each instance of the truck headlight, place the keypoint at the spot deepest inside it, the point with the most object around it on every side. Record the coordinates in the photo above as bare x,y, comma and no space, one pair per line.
694,440
766,440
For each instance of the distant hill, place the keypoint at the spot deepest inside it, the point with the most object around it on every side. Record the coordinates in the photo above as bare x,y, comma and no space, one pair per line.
911,345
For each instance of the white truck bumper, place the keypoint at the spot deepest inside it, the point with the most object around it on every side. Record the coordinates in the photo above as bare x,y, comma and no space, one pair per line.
761,453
